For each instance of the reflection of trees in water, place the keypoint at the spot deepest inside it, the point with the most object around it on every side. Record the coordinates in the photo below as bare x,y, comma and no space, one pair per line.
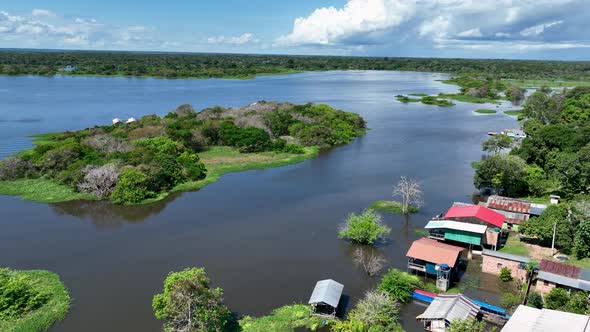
108,216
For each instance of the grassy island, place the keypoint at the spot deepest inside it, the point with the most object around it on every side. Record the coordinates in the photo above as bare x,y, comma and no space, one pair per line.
485,111
31,300
144,160
513,112
425,99
392,207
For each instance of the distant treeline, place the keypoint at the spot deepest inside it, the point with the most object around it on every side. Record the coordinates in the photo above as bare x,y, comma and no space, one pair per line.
185,65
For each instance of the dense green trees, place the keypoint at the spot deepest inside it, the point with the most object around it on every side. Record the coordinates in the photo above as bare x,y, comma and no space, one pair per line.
376,312
365,228
542,227
503,173
188,303
497,143
399,285
176,65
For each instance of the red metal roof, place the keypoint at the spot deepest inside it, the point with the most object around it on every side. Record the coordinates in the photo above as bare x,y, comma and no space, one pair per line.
509,204
476,211
432,251
560,269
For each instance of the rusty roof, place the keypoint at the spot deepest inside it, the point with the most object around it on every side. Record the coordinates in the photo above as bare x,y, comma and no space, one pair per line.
432,251
509,204
560,269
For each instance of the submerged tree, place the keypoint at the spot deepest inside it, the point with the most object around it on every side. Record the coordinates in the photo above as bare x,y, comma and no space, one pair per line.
410,193
366,228
371,262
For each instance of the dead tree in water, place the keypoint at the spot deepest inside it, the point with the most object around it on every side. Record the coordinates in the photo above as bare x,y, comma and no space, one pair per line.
370,262
410,192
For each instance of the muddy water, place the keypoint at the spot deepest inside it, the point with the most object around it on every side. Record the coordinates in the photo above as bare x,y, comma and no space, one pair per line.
265,236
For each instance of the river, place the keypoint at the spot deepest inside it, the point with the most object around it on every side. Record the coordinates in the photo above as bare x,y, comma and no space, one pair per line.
264,236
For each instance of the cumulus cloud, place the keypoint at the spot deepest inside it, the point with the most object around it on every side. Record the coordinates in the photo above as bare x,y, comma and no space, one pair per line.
423,24
331,26
42,12
236,40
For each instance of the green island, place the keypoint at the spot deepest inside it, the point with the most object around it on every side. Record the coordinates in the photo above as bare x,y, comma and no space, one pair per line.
145,160
31,300
485,111
392,207
426,99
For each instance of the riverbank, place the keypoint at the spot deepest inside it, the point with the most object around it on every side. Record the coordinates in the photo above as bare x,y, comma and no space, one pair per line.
52,294
219,160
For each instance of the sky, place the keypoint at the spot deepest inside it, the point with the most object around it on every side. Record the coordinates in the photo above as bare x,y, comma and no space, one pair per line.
518,29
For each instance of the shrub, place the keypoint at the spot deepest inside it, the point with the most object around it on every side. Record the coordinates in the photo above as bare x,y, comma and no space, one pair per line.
15,168
510,300
467,325
505,274
99,180
365,228
399,285
17,295
557,299
192,166
535,300
131,188
107,144
189,304
248,139
377,311
578,303
278,122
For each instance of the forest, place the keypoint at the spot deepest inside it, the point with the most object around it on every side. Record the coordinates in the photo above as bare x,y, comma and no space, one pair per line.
138,160
202,65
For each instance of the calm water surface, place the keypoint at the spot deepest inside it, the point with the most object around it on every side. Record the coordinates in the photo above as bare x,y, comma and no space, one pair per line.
265,236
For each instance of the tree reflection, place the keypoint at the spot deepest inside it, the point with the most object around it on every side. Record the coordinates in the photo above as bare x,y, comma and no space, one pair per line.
107,216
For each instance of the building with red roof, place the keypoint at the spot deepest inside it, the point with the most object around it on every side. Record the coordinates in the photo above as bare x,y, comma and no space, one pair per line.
434,258
475,214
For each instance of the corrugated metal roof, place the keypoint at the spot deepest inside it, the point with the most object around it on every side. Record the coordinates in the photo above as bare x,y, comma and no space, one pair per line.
564,281
513,217
432,251
478,212
450,308
561,269
327,291
508,204
457,225
528,319
510,257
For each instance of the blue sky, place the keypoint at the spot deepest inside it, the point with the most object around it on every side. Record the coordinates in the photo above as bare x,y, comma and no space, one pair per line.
533,29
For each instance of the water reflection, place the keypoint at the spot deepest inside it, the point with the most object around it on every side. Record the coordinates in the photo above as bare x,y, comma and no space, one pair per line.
106,216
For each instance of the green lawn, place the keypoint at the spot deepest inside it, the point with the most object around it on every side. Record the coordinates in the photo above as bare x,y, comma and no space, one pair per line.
392,207
41,190
513,112
538,200
284,319
44,317
485,111
468,99
220,160
514,246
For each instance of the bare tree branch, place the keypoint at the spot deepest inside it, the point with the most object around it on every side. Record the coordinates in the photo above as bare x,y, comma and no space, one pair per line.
410,193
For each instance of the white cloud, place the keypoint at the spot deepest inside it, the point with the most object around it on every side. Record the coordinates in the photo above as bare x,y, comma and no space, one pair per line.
237,40
502,34
42,12
539,29
475,32
330,26
437,27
